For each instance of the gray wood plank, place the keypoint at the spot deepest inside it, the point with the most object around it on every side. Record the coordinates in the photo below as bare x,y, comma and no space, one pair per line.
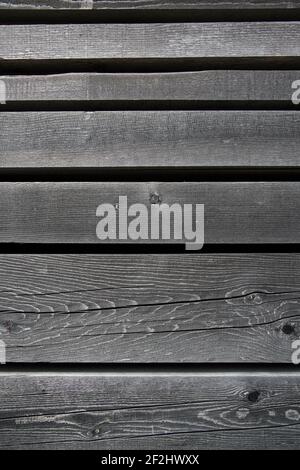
48,212
153,139
156,411
233,308
210,85
147,4
150,41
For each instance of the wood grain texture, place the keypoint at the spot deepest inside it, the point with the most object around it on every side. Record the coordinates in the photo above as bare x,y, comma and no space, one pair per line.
150,41
157,411
234,308
51,212
147,4
211,85
149,139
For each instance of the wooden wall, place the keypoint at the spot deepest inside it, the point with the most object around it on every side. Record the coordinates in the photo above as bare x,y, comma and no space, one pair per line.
140,345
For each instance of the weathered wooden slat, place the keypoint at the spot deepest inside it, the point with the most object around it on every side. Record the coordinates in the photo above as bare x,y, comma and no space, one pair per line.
147,4
157,411
150,41
234,308
211,85
119,139
264,212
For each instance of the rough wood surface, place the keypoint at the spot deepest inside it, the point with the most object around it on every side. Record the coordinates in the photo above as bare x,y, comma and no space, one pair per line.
150,308
200,308
120,139
211,85
264,212
150,41
157,411
147,4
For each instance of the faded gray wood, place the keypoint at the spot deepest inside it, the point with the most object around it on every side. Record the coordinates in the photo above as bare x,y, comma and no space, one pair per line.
150,41
120,139
234,308
156,411
264,212
147,4
210,85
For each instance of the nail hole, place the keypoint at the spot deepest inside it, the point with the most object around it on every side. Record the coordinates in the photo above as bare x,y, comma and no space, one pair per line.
155,198
253,396
96,432
288,329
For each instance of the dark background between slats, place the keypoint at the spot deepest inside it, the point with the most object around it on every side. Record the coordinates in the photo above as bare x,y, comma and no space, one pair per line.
140,345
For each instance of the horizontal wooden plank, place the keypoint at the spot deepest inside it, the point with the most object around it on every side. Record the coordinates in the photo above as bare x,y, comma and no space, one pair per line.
147,4
234,308
48,212
157,411
153,139
150,41
210,85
